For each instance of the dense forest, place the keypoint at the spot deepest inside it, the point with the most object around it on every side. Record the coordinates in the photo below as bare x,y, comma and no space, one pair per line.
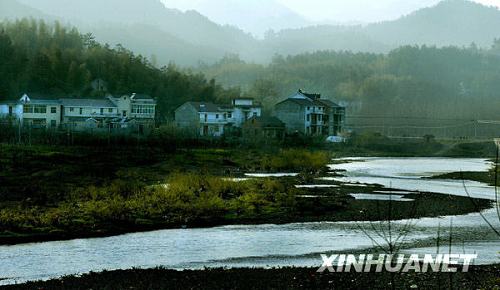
54,61
412,85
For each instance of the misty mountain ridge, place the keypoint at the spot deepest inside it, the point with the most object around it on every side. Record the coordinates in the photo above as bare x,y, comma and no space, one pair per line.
256,16
149,28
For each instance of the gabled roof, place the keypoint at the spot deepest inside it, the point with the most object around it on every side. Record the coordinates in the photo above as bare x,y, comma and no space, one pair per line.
305,99
43,102
99,103
328,103
267,121
142,97
205,106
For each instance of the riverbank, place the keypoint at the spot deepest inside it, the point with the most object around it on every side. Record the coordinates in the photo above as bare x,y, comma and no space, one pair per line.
479,277
484,177
333,204
97,192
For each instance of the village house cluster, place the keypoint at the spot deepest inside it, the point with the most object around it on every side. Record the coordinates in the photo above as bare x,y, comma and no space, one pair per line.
301,113
128,113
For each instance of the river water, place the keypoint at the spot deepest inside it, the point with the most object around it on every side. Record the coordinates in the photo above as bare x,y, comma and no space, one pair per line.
296,244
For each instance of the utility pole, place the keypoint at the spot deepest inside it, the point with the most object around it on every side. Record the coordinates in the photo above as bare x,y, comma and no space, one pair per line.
19,131
475,129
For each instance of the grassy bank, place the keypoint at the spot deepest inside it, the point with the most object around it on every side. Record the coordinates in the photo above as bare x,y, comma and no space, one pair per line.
479,277
64,192
372,144
194,200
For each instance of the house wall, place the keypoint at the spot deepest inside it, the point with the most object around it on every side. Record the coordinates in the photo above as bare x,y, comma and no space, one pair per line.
256,131
141,110
187,118
241,115
49,119
90,112
124,104
242,102
213,117
293,115
17,111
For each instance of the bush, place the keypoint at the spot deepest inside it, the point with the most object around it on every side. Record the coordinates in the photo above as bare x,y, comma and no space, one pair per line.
297,159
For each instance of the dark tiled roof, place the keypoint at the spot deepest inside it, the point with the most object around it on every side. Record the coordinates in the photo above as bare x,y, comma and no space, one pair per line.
44,102
328,103
305,99
142,97
311,96
101,103
204,106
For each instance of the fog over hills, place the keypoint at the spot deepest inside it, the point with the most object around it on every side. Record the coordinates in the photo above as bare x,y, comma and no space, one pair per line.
149,28
256,16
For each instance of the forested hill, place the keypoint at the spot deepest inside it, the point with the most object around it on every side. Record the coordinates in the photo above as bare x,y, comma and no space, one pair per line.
451,22
410,82
60,62
187,38
144,26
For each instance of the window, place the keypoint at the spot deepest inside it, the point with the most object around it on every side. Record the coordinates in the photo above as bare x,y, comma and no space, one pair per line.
110,110
53,110
35,109
308,118
38,122
40,109
216,116
71,109
143,109
255,114
229,115
102,111
27,109
81,111
308,108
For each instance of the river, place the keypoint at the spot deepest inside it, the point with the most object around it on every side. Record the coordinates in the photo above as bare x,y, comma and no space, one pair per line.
297,244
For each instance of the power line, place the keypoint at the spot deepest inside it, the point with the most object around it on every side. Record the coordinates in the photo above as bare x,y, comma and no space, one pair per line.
406,118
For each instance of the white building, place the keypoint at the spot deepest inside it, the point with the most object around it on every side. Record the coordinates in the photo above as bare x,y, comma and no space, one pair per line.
208,119
126,112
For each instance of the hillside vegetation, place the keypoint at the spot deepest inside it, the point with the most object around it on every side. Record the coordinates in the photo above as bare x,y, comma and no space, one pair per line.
53,60
188,38
412,85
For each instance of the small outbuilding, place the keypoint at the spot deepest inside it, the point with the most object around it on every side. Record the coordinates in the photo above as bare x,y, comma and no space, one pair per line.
264,128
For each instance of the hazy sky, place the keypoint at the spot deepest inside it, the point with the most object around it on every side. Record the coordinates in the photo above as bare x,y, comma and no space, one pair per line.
334,10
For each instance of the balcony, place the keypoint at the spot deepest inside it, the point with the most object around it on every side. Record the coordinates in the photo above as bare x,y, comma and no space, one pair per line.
214,121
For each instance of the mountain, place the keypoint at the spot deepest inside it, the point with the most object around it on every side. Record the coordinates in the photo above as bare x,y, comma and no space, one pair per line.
148,27
256,16
11,9
451,22
187,38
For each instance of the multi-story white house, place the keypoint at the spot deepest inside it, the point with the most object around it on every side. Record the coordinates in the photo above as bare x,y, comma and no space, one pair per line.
208,119
126,112
309,114
80,114
34,113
